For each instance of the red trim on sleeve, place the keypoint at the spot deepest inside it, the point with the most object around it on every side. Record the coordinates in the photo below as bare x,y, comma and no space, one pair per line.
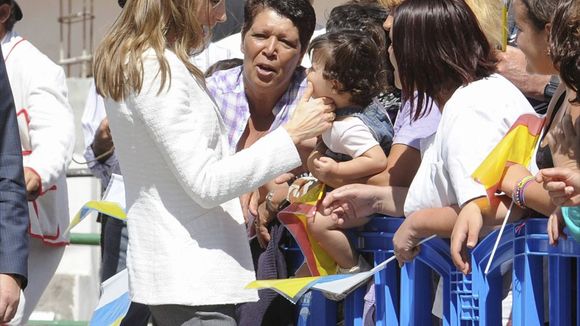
24,112
12,49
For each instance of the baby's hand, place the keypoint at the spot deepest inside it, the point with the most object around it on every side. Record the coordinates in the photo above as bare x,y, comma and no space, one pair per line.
325,167
465,235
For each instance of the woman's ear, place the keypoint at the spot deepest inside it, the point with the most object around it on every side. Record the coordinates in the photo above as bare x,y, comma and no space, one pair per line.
5,10
336,86
548,30
243,37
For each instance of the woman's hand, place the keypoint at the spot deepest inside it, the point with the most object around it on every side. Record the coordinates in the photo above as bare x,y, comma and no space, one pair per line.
33,183
562,184
103,142
249,202
406,242
465,235
261,222
556,227
353,202
311,117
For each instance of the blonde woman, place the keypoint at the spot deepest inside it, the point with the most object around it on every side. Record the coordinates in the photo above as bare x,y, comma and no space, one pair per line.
188,256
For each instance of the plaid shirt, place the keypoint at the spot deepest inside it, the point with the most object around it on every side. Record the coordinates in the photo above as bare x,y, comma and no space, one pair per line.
227,89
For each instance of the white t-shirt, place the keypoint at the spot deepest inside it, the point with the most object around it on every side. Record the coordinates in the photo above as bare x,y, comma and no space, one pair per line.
349,136
473,121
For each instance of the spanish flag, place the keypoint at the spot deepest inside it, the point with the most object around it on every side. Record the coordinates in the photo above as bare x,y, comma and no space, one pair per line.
295,217
516,147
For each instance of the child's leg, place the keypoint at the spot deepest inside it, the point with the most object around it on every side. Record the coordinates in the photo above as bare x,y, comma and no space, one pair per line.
333,240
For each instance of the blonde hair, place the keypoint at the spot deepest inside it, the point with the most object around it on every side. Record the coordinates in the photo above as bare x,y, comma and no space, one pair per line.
488,13
143,25
489,16
391,3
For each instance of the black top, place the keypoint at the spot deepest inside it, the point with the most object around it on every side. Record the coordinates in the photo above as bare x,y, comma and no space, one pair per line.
543,155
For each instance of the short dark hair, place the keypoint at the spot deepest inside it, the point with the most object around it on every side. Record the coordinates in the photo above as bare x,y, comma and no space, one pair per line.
300,12
365,18
439,46
565,44
349,58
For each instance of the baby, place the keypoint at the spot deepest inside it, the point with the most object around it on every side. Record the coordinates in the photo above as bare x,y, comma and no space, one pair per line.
346,67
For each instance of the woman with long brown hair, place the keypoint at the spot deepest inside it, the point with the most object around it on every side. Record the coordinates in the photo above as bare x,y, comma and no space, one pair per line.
188,258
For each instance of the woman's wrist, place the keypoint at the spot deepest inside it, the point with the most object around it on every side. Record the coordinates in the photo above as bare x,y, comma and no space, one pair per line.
276,200
296,139
518,194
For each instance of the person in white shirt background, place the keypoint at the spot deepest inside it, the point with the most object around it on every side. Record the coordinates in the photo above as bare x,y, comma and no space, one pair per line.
46,126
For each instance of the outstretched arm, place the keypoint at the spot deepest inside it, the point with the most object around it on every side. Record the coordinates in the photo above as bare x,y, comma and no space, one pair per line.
370,163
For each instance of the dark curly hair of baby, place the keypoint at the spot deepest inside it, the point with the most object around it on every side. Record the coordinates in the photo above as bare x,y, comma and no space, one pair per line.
352,59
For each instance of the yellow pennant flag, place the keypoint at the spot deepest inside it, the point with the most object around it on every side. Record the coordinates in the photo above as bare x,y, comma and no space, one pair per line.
105,207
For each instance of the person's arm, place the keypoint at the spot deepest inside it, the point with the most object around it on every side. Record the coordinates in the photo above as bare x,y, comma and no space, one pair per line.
102,169
371,162
402,165
51,129
419,225
536,197
13,206
473,216
351,137
186,133
512,65
100,154
356,201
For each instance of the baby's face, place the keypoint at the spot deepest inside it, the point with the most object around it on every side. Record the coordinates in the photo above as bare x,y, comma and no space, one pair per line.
322,87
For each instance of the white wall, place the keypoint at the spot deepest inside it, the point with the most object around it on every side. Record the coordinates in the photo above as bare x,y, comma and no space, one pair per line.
41,27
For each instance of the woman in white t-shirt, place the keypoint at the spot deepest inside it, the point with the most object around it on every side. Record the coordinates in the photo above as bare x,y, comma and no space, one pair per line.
456,70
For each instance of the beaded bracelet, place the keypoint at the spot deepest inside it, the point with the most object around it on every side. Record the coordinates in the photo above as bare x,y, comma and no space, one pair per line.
518,194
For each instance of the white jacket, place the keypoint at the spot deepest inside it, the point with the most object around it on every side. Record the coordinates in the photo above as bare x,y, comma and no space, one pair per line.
46,126
187,239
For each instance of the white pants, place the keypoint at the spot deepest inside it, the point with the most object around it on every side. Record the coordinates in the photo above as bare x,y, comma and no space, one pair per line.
43,261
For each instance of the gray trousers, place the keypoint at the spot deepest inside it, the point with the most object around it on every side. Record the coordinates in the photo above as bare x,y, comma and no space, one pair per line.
178,315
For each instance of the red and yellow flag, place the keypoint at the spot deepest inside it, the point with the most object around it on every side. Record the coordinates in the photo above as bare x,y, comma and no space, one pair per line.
295,219
516,147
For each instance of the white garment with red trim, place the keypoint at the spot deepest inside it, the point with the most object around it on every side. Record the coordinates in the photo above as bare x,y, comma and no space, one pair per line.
46,125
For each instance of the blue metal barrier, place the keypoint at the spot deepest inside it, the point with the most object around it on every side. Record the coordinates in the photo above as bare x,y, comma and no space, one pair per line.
377,239
403,297
487,289
530,248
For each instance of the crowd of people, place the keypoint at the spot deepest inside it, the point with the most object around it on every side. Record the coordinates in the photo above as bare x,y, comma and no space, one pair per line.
392,106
